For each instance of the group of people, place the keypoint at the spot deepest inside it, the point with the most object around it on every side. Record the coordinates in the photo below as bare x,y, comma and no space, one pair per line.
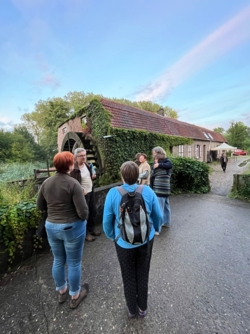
68,197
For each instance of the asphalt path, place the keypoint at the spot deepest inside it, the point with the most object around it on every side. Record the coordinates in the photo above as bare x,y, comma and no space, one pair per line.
199,279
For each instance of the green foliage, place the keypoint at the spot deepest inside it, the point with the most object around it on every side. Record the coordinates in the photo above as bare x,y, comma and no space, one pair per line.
238,135
189,176
18,171
219,130
149,106
18,215
19,146
244,191
122,145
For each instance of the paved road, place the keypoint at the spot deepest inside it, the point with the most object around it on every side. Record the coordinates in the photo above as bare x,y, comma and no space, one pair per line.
221,183
199,280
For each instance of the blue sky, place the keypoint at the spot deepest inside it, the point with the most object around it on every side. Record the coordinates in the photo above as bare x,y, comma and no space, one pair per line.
190,55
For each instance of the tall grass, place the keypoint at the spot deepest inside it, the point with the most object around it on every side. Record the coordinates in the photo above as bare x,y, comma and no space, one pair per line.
19,171
13,193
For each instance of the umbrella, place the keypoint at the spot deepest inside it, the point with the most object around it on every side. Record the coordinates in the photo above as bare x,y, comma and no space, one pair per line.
223,147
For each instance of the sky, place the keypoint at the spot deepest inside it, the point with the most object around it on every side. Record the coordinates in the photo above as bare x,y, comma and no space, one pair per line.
190,55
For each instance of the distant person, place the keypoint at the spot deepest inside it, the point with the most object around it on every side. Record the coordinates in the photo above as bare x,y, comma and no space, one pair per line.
63,198
137,161
223,161
144,170
82,172
160,182
134,259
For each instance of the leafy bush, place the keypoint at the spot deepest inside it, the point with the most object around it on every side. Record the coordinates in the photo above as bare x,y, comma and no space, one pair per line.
18,215
189,176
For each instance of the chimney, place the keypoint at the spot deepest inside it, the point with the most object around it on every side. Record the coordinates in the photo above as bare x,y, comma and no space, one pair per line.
161,112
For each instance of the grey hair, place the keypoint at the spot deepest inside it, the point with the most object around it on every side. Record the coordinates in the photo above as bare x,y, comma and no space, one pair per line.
160,152
78,150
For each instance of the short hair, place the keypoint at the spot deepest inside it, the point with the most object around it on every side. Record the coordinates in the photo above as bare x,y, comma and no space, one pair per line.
160,152
62,161
137,156
78,150
130,172
144,155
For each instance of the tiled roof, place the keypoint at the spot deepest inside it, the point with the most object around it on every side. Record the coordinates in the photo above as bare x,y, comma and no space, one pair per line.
128,117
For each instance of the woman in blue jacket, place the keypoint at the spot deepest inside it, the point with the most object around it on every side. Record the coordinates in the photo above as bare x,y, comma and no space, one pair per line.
134,259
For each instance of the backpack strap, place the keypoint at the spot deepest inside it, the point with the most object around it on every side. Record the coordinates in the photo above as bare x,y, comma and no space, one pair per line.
139,188
121,190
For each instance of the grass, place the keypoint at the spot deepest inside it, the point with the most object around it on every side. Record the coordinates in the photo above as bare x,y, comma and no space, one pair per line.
18,171
11,194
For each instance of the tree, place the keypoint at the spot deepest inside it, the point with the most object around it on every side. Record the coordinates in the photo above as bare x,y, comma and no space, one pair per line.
238,135
219,130
37,152
170,112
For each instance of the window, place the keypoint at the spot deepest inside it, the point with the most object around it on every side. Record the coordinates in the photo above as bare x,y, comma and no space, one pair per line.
210,136
180,150
189,151
83,119
206,135
197,152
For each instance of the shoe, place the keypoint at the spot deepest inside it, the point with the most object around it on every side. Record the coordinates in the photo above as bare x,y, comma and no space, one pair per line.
89,238
95,233
142,314
83,293
157,233
165,225
131,316
62,296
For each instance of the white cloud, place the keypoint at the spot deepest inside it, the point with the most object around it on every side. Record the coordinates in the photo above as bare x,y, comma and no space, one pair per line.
228,36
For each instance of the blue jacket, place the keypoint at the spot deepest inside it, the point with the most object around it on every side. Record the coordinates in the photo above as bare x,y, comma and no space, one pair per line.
111,214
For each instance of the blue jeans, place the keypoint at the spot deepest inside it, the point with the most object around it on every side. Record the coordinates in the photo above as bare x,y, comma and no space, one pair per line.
67,242
165,208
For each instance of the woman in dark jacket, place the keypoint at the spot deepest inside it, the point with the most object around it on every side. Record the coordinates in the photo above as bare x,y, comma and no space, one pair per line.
160,182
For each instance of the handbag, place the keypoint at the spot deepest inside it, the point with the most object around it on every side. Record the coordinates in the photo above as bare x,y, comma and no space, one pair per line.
41,229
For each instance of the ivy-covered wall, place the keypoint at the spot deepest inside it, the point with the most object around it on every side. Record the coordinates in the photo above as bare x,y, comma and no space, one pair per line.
118,145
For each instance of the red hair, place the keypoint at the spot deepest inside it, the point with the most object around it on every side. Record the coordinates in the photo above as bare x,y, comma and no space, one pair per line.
62,161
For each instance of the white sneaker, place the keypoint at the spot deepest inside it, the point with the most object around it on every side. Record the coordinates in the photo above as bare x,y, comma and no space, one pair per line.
157,233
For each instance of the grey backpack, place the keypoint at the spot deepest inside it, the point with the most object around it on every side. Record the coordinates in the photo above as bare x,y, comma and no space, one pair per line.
134,224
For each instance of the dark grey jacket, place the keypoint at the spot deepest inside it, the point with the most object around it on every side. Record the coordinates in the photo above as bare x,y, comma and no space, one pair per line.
63,198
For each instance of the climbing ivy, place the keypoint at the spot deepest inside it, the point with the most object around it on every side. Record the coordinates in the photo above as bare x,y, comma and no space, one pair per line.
122,144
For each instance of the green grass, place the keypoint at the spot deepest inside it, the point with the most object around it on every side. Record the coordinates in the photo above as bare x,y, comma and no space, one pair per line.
19,171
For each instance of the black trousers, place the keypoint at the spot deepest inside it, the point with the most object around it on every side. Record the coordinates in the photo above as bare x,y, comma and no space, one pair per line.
90,199
135,265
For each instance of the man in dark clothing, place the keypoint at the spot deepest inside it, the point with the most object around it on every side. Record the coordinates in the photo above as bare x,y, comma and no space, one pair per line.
223,161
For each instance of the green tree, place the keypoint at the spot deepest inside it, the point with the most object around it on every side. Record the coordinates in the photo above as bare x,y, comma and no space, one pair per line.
6,140
238,135
219,130
37,152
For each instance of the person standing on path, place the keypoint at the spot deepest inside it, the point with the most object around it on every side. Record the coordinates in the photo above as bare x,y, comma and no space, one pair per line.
82,172
223,161
134,259
63,198
144,170
160,182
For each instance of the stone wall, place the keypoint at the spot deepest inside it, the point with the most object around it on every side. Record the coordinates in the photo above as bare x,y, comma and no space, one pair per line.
239,181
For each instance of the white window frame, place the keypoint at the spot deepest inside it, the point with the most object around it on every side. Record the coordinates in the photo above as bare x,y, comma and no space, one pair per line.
189,151
181,151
